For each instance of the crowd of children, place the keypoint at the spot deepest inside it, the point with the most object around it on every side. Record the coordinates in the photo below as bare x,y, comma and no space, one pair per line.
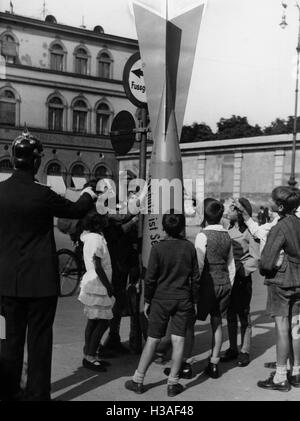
186,282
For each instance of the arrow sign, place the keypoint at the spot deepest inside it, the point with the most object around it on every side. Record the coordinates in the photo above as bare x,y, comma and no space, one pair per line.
138,72
133,79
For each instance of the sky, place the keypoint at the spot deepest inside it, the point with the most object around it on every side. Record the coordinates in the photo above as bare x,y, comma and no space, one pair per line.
245,63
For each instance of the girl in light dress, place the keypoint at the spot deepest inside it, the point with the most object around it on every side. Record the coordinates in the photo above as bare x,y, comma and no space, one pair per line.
95,288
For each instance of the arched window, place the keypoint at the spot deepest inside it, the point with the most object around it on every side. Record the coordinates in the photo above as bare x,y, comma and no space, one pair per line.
55,178
57,58
102,172
9,48
103,114
54,169
80,111
6,169
55,114
7,108
105,65
81,61
79,175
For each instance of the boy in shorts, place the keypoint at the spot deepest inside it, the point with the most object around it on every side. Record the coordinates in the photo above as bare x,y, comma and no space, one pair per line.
171,292
217,269
283,282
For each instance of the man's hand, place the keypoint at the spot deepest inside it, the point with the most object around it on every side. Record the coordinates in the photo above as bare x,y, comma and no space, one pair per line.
196,309
146,310
89,191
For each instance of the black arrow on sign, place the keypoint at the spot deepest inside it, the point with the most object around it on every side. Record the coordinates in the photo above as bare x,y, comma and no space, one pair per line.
138,72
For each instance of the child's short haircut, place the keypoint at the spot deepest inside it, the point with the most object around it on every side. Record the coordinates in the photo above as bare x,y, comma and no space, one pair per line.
173,223
287,197
205,203
213,212
94,222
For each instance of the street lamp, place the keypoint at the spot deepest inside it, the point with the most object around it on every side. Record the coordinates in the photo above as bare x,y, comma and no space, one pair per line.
292,182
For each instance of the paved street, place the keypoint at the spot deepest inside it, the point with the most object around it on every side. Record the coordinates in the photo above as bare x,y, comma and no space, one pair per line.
70,381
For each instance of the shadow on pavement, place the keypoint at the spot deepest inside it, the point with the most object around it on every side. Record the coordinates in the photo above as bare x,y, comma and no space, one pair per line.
89,380
261,342
86,380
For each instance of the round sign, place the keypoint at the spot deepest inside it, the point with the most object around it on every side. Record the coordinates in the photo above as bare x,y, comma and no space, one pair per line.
122,132
133,79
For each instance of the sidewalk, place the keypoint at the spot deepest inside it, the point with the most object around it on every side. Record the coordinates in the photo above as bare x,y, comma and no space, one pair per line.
70,381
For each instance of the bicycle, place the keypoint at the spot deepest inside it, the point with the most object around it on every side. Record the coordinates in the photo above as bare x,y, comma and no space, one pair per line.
71,269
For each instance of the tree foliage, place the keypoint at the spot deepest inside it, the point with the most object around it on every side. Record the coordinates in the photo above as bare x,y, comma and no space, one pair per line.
281,126
236,127
277,126
196,133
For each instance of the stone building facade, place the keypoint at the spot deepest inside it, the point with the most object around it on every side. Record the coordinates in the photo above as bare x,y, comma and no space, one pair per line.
249,167
66,85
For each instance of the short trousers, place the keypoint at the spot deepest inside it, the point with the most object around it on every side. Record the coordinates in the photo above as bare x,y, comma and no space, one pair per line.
213,300
241,295
283,301
181,312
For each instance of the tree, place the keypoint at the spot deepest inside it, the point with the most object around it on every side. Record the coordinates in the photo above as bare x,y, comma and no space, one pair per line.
196,133
236,127
278,126
290,124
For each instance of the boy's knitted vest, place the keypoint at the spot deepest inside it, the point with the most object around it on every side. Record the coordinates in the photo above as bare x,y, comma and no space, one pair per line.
217,252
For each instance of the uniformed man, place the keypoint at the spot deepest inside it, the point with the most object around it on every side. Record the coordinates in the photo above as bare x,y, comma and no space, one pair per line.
29,277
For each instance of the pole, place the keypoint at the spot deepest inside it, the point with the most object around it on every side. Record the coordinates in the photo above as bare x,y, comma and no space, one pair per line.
292,182
143,160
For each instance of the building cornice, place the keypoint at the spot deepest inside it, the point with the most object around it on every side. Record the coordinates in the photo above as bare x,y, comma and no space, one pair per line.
64,86
61,140
249,144
58,28
67,74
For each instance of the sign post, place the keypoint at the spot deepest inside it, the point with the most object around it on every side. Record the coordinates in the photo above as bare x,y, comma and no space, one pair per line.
134,85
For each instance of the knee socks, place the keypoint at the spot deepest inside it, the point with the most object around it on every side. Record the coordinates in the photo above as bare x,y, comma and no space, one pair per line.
281,374
296,370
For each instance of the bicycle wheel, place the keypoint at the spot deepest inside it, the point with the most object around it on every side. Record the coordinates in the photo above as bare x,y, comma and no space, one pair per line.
69,272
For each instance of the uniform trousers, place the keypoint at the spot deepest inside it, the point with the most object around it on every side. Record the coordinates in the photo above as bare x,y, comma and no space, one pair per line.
34,317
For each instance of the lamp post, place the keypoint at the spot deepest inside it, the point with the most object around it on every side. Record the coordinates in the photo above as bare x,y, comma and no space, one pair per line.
292,181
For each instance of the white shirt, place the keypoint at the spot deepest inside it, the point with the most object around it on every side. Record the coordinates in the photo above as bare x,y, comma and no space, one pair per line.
260,231
200,245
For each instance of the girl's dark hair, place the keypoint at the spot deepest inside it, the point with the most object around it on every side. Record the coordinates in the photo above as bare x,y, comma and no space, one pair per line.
287,197
241,223
94,222
173,223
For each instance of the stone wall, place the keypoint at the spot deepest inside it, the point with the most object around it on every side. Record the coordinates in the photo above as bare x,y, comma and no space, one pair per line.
249,167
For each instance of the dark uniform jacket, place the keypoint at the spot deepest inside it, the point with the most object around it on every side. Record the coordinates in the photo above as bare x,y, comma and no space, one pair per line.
285,235
28,260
